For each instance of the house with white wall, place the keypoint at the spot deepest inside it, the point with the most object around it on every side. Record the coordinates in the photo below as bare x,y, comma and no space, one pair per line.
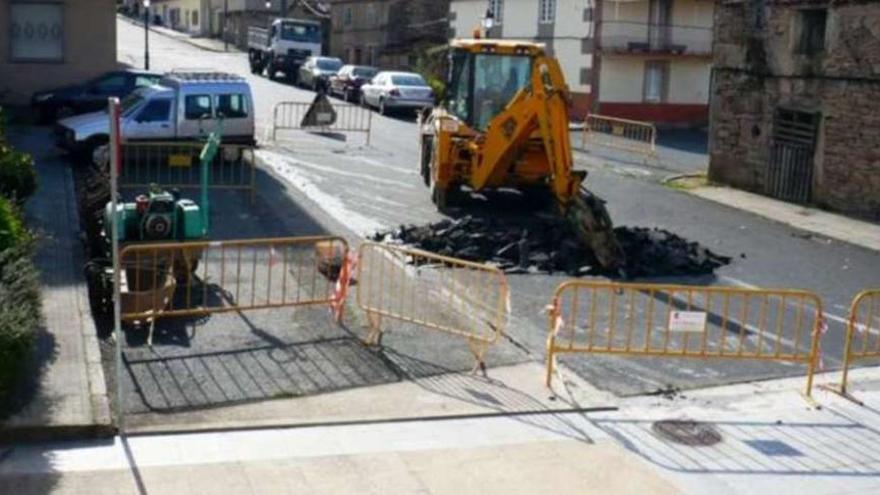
654,60
564,26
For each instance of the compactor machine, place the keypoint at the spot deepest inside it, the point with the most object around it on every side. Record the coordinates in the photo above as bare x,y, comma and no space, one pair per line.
504,123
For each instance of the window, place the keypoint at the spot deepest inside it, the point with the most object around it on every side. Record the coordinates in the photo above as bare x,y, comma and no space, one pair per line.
306,33
407,80
656,81
346,17
197,107
497,9
36,31
812,31
109,85
231,106
547,10
155,111
143,81
195,17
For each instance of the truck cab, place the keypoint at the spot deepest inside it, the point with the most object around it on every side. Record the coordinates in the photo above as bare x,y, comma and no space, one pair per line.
284,46
183,106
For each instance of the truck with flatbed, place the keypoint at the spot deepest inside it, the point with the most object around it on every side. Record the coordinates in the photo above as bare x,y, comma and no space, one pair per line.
283,47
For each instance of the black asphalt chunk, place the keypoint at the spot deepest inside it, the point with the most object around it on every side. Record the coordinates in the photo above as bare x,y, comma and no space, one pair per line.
544,243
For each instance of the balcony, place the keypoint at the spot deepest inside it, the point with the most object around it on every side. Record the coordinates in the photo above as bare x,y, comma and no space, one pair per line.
642,38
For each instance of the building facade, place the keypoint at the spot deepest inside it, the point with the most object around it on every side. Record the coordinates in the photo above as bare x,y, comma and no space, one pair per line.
46,44
795,93
566,27
387,33
653,60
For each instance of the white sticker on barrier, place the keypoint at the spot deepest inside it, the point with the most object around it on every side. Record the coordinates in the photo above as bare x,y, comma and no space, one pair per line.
687,321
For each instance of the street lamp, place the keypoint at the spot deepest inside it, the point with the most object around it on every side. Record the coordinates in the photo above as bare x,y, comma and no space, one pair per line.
146,34
488,21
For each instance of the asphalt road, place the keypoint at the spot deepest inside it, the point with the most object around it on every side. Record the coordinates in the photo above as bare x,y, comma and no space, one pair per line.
353,190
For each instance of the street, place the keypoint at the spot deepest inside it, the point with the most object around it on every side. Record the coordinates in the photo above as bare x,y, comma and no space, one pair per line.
354,190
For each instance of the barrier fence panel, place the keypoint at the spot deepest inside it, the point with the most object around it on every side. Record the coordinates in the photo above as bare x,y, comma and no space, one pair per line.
201,278
289,115
862,332
434,292
679,321
628,135
177,164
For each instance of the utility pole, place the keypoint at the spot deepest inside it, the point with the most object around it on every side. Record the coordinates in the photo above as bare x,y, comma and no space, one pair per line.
225,24
146,34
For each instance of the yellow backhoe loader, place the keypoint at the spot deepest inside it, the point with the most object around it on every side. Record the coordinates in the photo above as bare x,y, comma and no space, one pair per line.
504,123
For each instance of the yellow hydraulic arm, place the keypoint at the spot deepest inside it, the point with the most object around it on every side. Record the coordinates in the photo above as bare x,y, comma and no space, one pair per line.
542,108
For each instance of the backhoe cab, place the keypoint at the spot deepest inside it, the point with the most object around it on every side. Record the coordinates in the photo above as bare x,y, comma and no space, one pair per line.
504,123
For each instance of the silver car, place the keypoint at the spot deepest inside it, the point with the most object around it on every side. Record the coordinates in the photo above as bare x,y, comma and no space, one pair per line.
397,90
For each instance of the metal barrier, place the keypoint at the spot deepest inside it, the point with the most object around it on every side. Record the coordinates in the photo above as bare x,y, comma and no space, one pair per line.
177,164
864,322
628,135
288,115
680,321
435,292
188,279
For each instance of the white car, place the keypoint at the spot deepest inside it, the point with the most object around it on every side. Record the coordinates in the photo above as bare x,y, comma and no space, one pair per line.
397,90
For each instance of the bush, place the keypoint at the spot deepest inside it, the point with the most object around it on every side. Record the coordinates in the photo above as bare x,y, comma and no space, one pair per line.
18,176
12,234
19,319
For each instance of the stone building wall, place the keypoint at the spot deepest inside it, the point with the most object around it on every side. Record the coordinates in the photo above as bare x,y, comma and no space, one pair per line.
757,71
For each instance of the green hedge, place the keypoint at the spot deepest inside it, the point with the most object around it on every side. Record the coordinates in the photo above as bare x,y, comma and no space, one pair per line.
19,319
12,234
18,176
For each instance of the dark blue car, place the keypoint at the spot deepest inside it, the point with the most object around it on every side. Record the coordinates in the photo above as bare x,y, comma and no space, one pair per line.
90,96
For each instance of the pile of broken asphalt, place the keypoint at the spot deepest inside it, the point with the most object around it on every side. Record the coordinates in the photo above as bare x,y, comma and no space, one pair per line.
544,243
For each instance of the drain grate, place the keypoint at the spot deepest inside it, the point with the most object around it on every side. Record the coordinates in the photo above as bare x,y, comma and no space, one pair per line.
685,432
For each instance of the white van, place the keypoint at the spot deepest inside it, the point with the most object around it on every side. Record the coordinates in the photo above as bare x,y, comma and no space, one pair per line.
184,106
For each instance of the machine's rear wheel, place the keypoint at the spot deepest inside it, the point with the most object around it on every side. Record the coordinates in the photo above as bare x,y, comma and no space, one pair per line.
427,154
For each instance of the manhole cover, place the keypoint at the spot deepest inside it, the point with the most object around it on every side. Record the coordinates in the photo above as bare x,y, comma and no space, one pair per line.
687,432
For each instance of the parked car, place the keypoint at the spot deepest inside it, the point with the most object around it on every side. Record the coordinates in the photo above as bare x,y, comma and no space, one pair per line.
397,90
316,71
348,81
183,106
90,96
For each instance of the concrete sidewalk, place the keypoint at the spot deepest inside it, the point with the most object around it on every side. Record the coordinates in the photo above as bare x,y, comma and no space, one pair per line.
812,220
209,44
753,438
71,398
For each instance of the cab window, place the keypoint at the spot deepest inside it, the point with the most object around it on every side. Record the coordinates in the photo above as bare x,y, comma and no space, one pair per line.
197,107
155,111
231,106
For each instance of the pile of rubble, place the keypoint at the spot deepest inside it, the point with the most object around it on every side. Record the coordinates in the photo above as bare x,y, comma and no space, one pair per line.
546,244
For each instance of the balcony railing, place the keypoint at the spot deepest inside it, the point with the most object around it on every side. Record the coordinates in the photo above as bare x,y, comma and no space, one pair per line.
643,37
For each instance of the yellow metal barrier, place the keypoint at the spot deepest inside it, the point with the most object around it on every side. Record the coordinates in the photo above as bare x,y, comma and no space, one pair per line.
431,291
628,135
862,332
288,115
177,164
680,321
200,278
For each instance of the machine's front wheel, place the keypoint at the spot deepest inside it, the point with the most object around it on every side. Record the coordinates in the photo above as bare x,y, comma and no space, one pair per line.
427,155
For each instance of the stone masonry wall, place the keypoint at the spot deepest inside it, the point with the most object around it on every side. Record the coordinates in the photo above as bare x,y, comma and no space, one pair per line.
757,71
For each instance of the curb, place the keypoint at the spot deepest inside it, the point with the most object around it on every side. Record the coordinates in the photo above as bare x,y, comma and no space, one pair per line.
61,433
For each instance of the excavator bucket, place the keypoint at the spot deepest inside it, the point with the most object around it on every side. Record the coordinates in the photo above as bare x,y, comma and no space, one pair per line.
320,114
590,220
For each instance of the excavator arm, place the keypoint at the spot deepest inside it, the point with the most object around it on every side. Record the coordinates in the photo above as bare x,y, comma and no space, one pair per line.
541,109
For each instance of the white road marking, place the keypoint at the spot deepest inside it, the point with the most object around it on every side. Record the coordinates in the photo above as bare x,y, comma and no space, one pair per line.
333,205
345,173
